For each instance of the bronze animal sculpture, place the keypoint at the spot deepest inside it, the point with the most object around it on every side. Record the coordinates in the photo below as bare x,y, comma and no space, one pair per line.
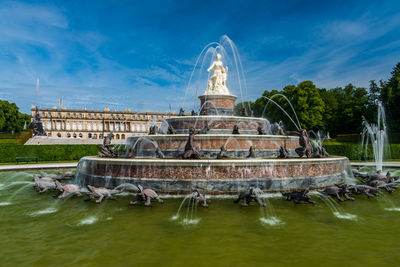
68,189
105,193
171,130
36,125
146,195
252,152
260,130
159,153
367,190
336,191
153,130
44,184
205,129
298,197
251,195
197,198
283,153
66,175
222,153
235,129
305,146
106,150
190,149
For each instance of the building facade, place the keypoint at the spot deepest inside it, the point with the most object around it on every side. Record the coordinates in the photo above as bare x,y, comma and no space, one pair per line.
94,124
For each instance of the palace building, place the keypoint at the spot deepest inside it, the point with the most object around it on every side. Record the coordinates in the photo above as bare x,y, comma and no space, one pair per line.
94,124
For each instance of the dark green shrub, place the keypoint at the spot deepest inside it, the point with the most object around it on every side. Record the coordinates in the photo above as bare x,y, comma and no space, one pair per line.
8,153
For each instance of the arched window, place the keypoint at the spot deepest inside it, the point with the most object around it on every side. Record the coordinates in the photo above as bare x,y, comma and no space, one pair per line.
74,135
80,135
117,136
68,135
94,136
123,136
58,135
100,136
89,135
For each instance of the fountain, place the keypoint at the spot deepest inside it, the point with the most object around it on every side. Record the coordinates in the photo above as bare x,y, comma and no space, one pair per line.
376,134
252,161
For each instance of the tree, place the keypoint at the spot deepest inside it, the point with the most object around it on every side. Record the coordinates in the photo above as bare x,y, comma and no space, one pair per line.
11,120
390,96
330,116
307,103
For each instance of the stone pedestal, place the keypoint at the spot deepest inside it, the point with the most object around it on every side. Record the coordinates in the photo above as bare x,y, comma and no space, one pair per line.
217,104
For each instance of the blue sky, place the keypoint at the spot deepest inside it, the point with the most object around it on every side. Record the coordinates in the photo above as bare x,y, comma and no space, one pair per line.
140,54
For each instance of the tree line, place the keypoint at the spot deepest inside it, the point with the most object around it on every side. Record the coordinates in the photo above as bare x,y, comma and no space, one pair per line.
11,120
338,111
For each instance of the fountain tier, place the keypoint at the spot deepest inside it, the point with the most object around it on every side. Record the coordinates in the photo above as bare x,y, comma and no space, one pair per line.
175,176
209,145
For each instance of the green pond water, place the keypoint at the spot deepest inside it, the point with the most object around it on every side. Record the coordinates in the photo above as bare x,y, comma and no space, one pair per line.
39,230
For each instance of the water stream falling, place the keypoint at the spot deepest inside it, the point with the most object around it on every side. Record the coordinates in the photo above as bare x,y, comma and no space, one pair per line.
376,135
337,210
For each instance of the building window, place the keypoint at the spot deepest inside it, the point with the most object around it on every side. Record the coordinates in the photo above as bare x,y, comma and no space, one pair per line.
123,127
117,126
133,127
89,126
80,126
49,126
80,115
58,135
58,125
74,135
94,136
74,126
101,128
111,126
89,135
80,135
117,136
123,136
68,135
143,127
68,126
94,126
100,136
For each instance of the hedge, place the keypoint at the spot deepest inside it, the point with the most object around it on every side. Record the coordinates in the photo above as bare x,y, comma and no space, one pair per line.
353,151
8,153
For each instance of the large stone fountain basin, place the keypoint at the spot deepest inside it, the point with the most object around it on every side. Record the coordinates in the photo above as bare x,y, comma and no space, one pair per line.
217,124
176,176
209,145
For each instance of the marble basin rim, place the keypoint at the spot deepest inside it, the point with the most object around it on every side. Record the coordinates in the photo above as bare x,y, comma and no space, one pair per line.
214,176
